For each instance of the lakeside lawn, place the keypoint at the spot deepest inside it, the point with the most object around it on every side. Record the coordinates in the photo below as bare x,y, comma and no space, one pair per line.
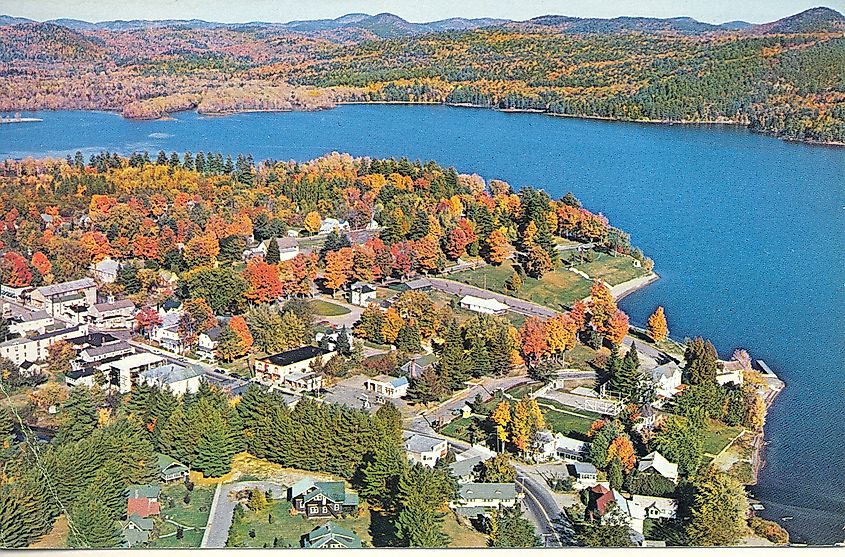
254,528
613,269
323,308
719,436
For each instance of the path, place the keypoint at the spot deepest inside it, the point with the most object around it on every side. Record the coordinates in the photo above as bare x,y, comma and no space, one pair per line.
223,507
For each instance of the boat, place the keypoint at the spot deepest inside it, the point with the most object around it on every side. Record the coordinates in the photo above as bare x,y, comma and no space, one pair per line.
785,518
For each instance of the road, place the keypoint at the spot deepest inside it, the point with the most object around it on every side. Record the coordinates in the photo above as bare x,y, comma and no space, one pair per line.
519,306
223,507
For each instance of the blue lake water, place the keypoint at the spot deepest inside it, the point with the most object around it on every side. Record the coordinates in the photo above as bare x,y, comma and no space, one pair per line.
747,233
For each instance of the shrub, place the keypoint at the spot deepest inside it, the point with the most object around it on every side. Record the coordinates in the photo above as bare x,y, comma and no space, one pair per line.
772,531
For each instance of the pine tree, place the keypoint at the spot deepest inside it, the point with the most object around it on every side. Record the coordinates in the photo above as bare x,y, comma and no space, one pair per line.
408,340
453,363
79,416
273,254
509,528
216,448
93,526
378,477
479,355
19,518
626,379
614,474
343,345
701,362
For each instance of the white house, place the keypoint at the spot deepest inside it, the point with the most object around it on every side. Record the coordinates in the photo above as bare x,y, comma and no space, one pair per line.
361,294
207,342
167,333
653,507
291,370
425,449
386,386
112,315
35,348
489,306
550,446
330,224
656,462
482,498
732,372
23,321
288,249
667,378
179,379
106,270
585,474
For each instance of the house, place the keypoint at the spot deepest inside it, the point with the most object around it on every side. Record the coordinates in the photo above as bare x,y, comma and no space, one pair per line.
361,294
170,469
129,368
322,499
425,449
112,315
106,270
585,474
466,462
646,506
331,536
35,348
648,416
167,333
655,462
490,306
667,378
549,446
387,386
177,378
207,342
23,321
732,372
102,353
143,500
482,498
330,224
66,300
136,530
291,370
288,249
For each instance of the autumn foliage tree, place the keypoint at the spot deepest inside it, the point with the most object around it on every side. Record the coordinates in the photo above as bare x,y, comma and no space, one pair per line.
656,328
264,285
15,270
533,337
617,328
312,222
496,247
338,268
602,307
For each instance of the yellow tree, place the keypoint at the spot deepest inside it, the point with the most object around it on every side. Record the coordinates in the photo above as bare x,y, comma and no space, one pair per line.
393,323
560,333
622,448
338,268
657,328
312,222
497,247
501,416
521,423
602,306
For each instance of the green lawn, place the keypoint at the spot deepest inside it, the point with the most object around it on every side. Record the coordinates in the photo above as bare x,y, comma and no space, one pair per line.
286,528
459,428
613,269
570,424
580,357
461,536
327,309
190,515
718,436
520,391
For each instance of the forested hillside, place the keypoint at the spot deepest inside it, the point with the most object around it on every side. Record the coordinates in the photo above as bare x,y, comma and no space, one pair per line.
786,78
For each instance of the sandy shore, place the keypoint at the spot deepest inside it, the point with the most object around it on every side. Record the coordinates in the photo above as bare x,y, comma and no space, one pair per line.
629,286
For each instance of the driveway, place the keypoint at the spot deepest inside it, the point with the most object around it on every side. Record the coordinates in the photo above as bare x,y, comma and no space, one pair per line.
223,507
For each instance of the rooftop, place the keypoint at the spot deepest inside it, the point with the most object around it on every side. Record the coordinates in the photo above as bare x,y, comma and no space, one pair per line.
488,303
65,287
500,491
420,443
137,360
171,373
296,355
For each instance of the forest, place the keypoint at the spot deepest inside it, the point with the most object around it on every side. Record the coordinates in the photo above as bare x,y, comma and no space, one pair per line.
785,78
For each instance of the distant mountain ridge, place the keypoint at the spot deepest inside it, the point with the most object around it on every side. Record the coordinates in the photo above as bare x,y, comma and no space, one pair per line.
387,25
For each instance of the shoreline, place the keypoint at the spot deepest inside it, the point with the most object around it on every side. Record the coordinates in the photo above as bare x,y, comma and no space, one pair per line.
776,385
630,286
335,104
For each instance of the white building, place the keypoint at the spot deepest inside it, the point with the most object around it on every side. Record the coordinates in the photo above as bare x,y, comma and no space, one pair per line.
387,386
112,315
656,462
23,322
731,373
207,342
425,449
489,306
106,270
35,348
482,498
667,379
179,379
361,294
66,300
129,368
330,224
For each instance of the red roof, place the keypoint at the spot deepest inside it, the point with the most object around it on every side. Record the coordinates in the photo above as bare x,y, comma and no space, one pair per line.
142,506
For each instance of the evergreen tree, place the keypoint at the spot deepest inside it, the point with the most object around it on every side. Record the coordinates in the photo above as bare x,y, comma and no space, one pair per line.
93,526
215,449
614,474
509,528
718,512
378,477
701,362
408,340
625,380
273,254
343,346
79,416
20,514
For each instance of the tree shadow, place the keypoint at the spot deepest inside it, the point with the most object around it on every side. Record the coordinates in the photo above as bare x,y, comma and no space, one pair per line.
383,531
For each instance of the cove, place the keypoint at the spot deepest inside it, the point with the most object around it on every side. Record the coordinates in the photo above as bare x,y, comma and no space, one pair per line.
746,232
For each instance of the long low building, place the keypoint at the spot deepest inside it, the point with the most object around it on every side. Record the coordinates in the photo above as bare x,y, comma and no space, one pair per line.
36,348
177,378
490,306
482,498
291,370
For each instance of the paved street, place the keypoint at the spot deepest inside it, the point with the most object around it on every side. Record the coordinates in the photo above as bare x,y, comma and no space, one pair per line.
223,507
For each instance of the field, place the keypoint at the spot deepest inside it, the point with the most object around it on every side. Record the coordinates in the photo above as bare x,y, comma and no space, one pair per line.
254,529
719,436
612,269
192,516
570,424
327,309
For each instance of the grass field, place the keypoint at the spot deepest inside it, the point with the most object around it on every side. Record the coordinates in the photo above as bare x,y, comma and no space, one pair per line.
459,428
327,309
612,269
254,529
571,425
192,516
719,436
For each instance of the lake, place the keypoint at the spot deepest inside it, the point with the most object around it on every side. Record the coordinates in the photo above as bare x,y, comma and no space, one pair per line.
746,232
